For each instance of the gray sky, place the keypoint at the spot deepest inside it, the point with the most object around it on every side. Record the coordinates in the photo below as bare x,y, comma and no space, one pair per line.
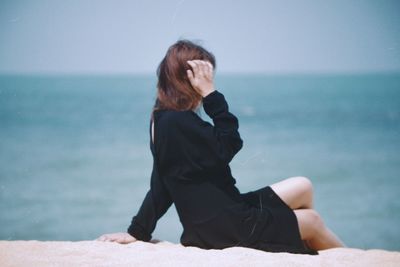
80,36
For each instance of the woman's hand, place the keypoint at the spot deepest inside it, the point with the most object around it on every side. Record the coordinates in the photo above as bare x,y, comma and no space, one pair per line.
122,238
202,78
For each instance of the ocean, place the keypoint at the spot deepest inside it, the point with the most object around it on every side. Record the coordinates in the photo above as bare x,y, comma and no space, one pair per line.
75,161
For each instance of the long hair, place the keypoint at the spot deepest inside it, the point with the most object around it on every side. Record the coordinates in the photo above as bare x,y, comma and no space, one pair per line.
174,90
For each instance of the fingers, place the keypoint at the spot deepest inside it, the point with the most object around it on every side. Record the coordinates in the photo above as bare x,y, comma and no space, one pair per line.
113,238
190,75
106,238
194,66
210,68
200,68
102,238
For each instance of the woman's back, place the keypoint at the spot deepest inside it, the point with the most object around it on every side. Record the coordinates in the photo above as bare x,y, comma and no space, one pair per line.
192,160
197,177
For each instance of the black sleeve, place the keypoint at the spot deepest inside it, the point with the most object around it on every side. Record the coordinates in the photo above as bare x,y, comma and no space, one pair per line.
155,204
197,145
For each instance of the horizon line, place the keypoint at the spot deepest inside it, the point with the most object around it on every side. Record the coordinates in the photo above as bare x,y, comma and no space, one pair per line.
226,73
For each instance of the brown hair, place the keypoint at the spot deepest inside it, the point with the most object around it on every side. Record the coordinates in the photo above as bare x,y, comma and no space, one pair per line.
174,90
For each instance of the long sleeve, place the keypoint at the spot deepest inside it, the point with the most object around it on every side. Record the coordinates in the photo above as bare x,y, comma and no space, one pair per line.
193,145
155,204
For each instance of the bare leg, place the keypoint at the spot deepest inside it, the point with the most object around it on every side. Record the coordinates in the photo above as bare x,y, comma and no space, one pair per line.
314,231
296,192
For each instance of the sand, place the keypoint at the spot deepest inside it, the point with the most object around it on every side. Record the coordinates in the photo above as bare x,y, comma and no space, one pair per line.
164,253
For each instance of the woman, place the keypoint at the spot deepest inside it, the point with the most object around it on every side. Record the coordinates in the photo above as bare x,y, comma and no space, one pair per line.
191,169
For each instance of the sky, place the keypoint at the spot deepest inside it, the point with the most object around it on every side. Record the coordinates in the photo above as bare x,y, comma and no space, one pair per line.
246,36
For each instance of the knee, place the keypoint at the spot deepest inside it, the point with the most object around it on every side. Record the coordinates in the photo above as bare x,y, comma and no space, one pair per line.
305,183
310,223
316,221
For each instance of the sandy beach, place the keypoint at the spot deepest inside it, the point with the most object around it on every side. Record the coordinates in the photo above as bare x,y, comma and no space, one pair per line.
164,253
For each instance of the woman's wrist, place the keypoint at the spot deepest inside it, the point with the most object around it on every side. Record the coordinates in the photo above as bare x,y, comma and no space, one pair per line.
208,92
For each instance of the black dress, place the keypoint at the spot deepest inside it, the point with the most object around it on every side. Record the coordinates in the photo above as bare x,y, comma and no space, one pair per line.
191,169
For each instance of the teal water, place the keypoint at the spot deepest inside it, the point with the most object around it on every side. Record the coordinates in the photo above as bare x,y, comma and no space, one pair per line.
75,160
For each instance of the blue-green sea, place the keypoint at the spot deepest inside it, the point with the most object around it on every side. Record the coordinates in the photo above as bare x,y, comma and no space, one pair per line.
75,161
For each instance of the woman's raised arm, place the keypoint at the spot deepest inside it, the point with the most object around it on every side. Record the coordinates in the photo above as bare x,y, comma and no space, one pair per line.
191,144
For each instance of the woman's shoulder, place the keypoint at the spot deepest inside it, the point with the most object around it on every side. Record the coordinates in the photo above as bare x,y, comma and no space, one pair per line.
176,116
183,121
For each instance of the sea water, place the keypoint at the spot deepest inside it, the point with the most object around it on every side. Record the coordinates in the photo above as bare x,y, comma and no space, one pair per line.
75,161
